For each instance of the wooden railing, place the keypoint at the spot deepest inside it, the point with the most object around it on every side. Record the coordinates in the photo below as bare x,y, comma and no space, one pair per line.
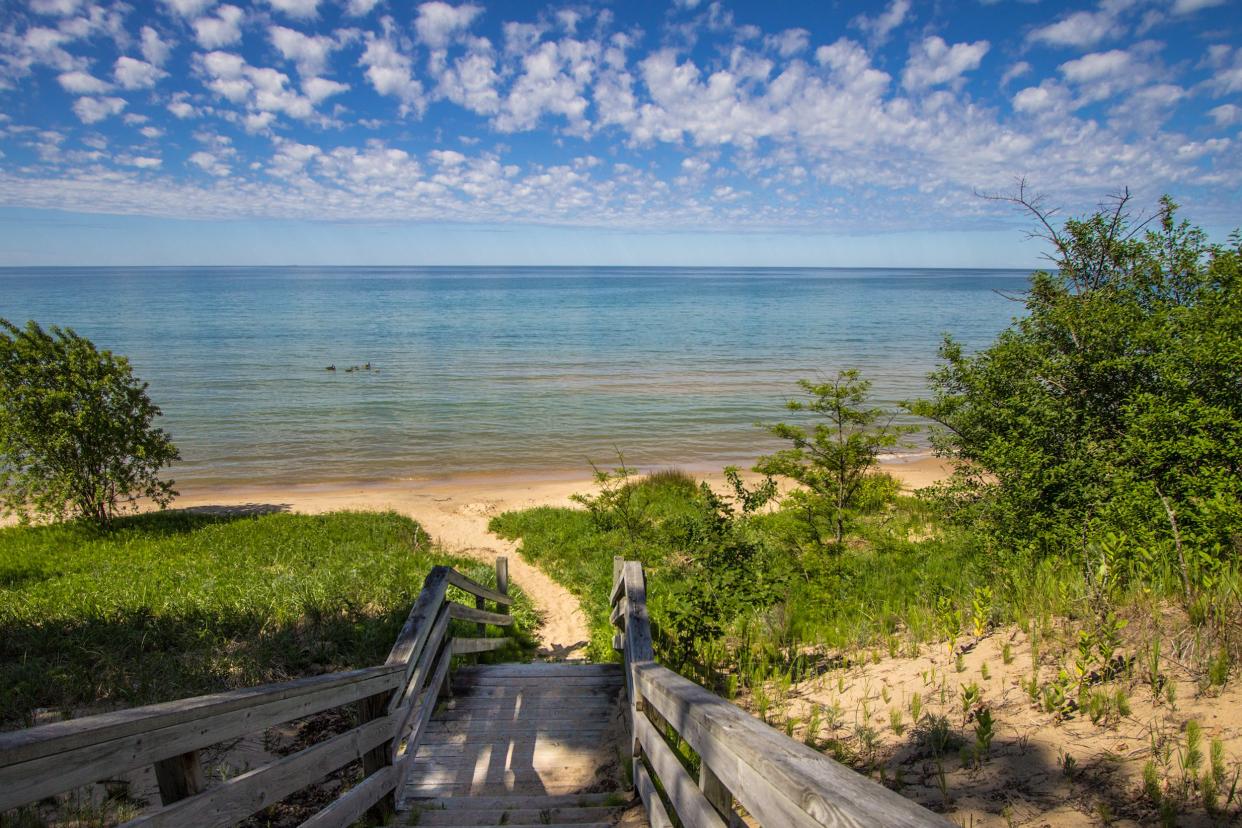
395,701
742,761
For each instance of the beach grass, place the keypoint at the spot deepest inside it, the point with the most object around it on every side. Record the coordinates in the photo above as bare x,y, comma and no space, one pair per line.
184,602
892,576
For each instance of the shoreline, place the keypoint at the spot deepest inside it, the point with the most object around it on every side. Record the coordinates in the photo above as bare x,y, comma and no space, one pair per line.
512,489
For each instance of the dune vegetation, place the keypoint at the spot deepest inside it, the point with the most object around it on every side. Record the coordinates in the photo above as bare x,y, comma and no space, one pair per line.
178,603
1054,632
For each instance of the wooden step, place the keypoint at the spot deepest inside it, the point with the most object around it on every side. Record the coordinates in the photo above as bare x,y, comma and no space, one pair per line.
492,803
517,744
517,816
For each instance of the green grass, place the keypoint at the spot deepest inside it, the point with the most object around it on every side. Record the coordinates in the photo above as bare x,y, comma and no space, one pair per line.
181,603
895,569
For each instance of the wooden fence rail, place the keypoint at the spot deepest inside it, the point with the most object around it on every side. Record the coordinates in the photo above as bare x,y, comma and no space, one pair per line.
394,700
779,782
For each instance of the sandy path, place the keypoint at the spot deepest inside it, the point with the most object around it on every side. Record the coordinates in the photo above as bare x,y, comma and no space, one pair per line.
456,512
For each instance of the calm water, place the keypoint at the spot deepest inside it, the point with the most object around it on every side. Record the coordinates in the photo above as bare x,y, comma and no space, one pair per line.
513,369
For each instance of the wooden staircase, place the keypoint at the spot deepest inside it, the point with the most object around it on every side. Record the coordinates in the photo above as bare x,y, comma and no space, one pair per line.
504,744
522,744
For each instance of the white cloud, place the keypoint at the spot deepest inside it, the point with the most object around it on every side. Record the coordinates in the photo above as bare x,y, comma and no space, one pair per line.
258,121
302,9
471,80
93,110
1016,71
360,8
1082,28
553,80
135,74
1096,66
81,83
142,162
389,72
189,8
880,26
210,164
934,62
222,30
259,89
1102,75
152,132
1226,114
154,48
1035,99
789,42
57,8
309,53
182,109
438,23
320,89
1192,6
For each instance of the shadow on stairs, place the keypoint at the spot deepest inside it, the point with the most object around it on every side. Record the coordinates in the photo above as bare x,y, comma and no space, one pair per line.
525,744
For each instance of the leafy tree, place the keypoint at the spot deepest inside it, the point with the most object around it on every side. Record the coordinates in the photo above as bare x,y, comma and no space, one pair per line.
1113,404
76,434
833,458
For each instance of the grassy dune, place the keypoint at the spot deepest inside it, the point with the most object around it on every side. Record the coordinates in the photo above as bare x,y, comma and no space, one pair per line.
180,603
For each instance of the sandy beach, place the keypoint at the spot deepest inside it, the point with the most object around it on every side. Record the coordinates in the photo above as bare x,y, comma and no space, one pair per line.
456,511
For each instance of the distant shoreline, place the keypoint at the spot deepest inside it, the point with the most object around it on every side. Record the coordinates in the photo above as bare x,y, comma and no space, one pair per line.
500,490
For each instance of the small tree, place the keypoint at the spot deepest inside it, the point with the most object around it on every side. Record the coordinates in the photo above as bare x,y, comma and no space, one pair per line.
1114,404
833,458
76,435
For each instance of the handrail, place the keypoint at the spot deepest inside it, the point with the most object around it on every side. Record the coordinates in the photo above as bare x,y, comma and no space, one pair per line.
779,781
395,701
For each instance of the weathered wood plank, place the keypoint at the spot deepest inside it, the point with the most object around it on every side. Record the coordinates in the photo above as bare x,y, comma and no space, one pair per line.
416,705
537,670
179,776
426,657
219,720
380,756
777,780
477,645
418,623
58,737
717,794
421,715
464,613
478,590
657,816
241,796
638,624
535,686
687,800
346,809
617,616
502,575
618,579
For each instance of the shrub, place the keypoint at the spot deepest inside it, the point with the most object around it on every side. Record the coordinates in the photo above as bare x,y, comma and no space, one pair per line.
76,429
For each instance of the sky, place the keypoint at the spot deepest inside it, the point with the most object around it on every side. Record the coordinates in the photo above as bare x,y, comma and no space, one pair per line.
215,132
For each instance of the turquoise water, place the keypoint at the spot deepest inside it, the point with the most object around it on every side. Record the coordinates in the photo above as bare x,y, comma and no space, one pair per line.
512,370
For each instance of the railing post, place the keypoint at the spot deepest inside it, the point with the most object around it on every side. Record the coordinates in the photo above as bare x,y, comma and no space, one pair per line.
380,756
717,794
179,777
502,575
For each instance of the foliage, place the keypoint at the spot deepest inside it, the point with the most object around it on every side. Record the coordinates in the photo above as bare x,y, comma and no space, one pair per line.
178,603
1112,405
832,458
76,433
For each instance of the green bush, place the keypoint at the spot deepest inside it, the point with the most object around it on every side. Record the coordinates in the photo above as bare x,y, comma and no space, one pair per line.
76,433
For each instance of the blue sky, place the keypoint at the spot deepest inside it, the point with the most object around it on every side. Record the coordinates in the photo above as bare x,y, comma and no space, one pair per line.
384,132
